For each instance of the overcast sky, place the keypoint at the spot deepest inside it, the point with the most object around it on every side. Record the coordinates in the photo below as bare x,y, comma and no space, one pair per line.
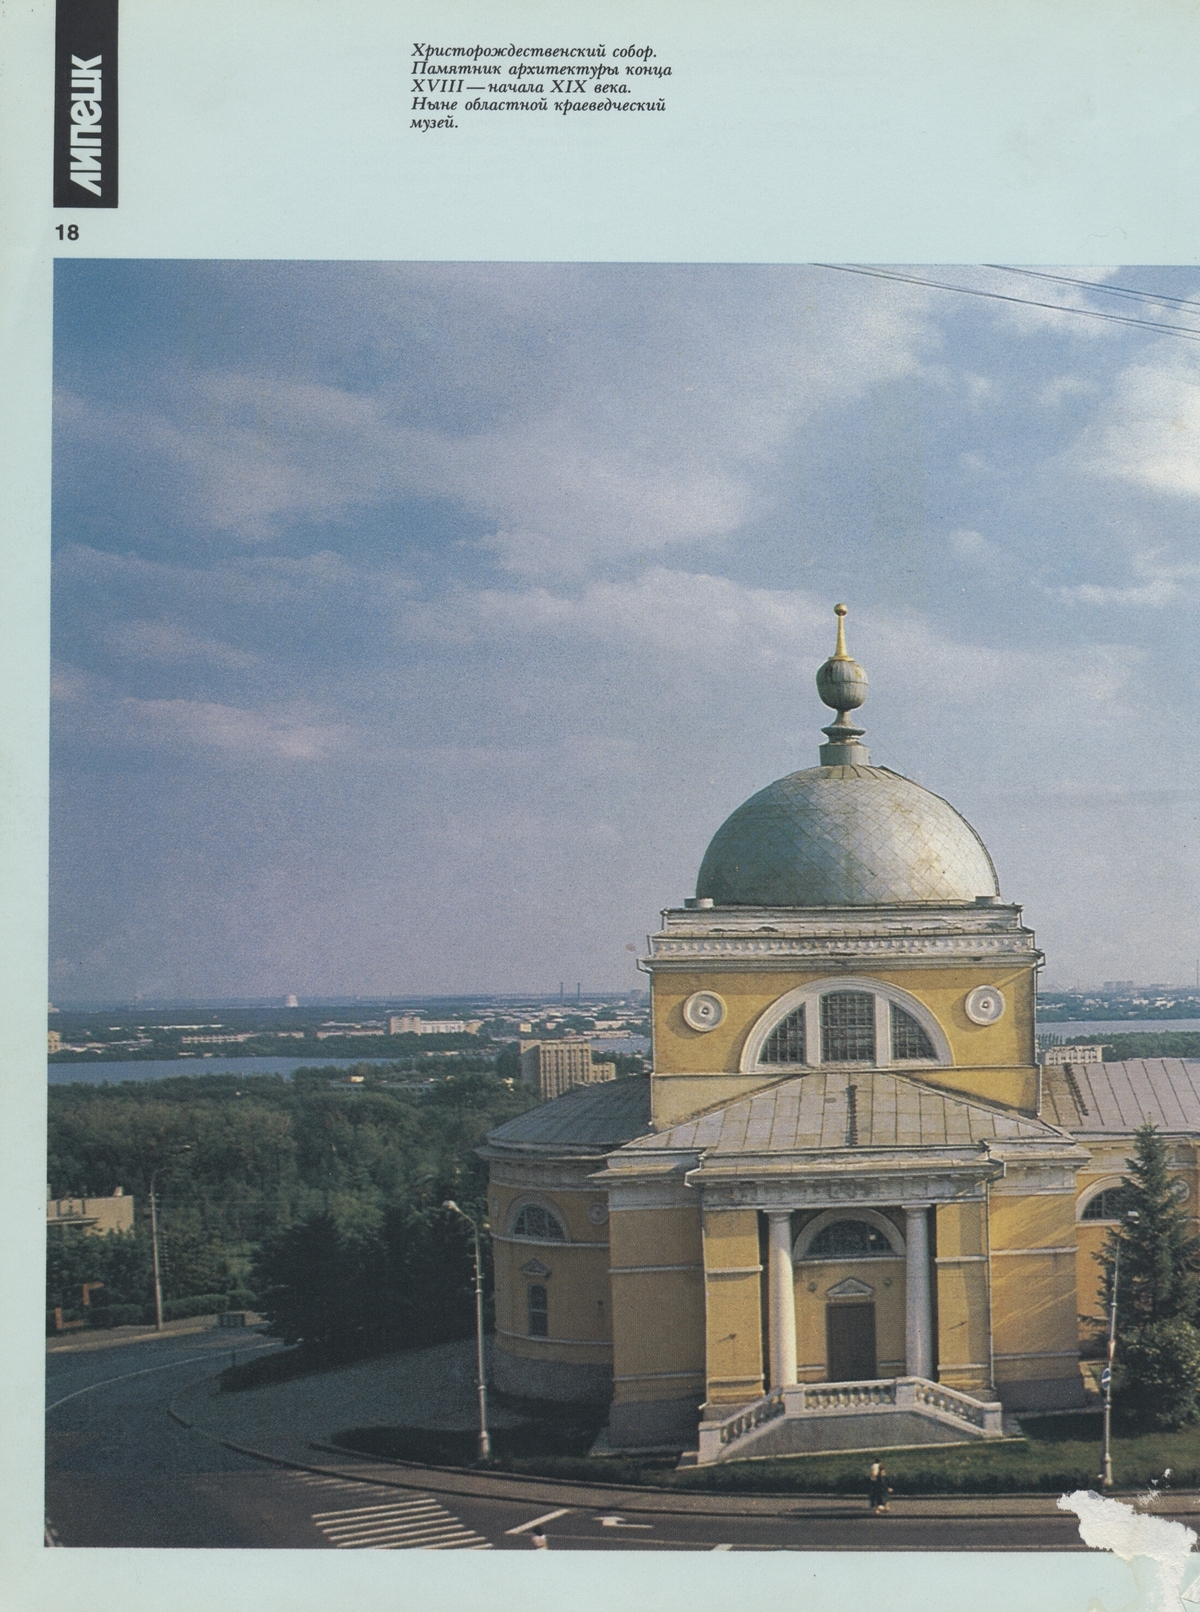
416,626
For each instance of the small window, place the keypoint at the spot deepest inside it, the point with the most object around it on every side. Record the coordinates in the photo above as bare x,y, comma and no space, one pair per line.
849,1239
909,1040
1106,1205
539,1225
539,1311
848,1027
785,1044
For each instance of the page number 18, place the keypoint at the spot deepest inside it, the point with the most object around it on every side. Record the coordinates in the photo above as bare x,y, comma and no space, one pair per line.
68,232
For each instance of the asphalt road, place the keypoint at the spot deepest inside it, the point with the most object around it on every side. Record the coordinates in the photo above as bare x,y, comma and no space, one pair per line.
121,1472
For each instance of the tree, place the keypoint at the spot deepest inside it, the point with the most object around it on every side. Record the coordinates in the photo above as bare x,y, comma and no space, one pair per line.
1157,1372
1160,1257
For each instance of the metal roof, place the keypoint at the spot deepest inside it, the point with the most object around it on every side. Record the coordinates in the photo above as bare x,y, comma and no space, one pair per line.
848,836
812,1113
586,1119
1103,1098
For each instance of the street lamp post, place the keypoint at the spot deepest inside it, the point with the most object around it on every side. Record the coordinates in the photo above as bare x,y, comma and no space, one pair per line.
485,1443
1106,1476
154,1246
158,1316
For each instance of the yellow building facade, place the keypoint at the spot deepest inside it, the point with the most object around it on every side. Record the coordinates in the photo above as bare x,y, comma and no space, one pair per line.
847,1186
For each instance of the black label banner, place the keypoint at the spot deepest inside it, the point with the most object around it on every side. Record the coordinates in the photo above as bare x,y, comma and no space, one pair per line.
85,103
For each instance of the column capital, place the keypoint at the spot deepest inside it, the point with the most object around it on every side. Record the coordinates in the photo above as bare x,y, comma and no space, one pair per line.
918,1207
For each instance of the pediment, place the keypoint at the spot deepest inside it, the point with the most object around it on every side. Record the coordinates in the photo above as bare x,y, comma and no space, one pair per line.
534,1267
849,1289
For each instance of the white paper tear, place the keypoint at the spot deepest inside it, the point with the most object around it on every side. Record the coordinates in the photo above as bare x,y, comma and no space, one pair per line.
1159,1552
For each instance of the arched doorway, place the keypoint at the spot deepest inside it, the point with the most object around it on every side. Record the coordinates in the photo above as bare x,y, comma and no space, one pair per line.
850,1297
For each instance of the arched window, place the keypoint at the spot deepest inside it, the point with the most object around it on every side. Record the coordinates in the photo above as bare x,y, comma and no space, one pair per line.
785,1044
1106,1205
909,1039
539,1311
848,1027
536,1223
845,1020
849,1239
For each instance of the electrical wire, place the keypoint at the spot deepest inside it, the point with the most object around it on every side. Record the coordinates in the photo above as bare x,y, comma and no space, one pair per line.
1159,297
1187,332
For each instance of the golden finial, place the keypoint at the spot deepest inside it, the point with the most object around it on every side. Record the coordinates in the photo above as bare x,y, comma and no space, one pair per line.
840,653
842,685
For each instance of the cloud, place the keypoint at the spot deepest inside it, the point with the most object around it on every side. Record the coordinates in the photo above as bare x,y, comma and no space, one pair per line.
574,432
1148,432
167,643
1159,582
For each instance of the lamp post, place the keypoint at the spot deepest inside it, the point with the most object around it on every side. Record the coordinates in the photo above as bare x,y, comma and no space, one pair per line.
1131,1218
485,1443
158,1319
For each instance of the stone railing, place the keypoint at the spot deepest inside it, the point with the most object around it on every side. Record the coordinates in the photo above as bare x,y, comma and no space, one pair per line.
877,1396
841,1396
981,1413
715,1436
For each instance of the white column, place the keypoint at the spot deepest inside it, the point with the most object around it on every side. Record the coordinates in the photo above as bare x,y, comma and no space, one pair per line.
918,1307
782,1295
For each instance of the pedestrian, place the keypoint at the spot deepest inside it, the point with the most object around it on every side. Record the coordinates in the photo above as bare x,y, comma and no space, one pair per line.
877,1488
539,1541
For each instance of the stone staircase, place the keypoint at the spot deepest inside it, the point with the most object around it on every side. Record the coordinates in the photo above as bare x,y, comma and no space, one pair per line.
815,1418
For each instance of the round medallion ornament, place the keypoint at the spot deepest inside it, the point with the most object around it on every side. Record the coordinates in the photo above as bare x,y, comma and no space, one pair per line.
703,1010
984,1005
597,1213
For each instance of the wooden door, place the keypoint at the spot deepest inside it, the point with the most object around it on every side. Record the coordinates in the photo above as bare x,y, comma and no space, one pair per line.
850,1342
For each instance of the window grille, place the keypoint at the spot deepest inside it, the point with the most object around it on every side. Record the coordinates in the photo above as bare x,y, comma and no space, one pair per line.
785,1044
539,1311
539,1225
848,1027
849,1239
1106,1205
909,1040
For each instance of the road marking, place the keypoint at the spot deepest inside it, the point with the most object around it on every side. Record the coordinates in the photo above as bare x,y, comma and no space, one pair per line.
722,1547
537,1521
619,1522
411,1522
124,1377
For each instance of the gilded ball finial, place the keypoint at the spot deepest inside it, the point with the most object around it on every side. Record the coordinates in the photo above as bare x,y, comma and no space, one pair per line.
841,682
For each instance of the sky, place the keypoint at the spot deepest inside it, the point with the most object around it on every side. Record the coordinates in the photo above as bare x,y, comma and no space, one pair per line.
415,626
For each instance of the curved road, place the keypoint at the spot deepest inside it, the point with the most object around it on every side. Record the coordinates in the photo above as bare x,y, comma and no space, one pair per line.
121,1472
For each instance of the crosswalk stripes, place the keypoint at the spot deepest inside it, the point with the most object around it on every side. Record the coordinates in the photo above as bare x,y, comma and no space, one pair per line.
387,1520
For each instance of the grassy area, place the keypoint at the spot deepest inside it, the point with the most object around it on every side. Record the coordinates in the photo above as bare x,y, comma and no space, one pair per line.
1057,1453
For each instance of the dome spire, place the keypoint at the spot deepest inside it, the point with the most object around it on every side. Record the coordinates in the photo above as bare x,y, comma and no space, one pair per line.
842,685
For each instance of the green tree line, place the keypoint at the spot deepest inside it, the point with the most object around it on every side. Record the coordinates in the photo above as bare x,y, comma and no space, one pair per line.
254,1172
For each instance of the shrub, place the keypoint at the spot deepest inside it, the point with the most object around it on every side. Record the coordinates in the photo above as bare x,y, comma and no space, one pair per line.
201,1304
1157,1377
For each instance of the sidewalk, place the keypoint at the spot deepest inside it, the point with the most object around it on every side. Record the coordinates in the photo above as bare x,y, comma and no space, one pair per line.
111,1337
293,1422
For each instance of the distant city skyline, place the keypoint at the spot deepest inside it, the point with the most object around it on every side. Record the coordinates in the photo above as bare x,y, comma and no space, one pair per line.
427,620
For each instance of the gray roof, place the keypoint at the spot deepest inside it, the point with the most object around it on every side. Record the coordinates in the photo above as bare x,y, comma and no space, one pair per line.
1101,1098
811,1113
586,1119
852,836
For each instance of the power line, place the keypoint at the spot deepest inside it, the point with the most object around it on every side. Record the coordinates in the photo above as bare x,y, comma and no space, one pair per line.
1096,285
1187,332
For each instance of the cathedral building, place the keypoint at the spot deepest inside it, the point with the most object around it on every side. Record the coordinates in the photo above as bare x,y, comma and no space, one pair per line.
847,1206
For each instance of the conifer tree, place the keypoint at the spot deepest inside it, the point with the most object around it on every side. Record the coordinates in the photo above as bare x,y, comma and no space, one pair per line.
1160,1256
1157,1369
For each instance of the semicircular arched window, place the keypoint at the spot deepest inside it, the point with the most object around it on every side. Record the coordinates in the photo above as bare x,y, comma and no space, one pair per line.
1106,1205
849,1239
537,1224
